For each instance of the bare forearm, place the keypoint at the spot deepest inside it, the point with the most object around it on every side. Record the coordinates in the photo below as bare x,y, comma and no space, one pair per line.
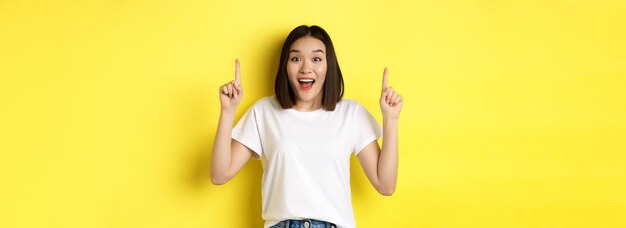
388,162
390,105
221,156
231,94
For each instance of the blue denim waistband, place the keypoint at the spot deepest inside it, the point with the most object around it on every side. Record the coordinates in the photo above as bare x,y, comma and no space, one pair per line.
304,223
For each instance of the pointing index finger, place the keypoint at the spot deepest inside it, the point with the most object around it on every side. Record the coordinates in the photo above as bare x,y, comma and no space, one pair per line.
237,71
385,72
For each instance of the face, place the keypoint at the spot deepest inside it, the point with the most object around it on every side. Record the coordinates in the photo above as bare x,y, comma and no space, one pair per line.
306,68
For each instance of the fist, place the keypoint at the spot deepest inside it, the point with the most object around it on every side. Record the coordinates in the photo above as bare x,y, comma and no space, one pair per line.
390,100
232,92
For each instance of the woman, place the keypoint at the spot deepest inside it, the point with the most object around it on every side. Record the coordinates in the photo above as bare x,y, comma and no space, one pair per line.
304,137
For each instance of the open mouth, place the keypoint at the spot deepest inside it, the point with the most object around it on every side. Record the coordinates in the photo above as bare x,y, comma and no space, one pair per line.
306,83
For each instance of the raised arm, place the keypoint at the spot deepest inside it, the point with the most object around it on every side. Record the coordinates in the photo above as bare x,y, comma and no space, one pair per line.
228,156
381,168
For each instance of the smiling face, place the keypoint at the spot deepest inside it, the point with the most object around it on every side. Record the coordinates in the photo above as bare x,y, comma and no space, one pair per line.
306,69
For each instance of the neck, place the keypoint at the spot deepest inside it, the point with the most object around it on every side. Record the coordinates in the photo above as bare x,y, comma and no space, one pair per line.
308,106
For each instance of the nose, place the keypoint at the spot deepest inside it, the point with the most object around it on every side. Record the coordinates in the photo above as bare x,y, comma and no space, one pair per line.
305,69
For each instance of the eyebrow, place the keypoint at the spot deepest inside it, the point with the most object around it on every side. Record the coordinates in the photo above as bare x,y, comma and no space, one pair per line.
298,51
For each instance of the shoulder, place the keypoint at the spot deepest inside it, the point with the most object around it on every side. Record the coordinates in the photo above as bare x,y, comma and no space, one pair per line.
265,103
348,104
353,109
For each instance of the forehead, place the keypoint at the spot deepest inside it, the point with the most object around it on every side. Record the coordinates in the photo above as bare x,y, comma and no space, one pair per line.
308,44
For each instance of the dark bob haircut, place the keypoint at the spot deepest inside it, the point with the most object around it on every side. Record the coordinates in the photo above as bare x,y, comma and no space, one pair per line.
332,90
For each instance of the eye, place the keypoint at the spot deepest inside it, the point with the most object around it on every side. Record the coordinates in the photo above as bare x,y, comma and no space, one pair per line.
295,59
317,59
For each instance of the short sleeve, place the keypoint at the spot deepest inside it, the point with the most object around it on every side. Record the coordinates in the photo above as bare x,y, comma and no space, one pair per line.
247,132
367,127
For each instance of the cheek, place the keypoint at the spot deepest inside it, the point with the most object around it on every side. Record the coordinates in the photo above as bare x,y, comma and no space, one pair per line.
321,70
292,70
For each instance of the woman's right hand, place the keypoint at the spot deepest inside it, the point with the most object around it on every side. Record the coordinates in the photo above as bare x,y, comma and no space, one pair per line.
232,92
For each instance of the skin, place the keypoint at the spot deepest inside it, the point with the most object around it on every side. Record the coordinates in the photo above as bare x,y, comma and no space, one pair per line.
308,60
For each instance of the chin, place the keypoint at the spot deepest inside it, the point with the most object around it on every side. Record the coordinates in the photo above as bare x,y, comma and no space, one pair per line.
306,97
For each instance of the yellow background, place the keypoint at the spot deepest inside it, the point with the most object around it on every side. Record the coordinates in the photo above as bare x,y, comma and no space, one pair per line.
514,111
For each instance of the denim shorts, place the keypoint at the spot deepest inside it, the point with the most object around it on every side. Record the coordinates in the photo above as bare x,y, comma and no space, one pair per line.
305,223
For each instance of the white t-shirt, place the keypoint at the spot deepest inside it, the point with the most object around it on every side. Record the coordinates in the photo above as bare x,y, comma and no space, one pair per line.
306,158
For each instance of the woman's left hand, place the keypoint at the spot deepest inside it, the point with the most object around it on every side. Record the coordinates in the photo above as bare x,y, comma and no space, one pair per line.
390,100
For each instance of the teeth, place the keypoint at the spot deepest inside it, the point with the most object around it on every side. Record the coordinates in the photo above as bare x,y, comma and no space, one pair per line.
306,80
